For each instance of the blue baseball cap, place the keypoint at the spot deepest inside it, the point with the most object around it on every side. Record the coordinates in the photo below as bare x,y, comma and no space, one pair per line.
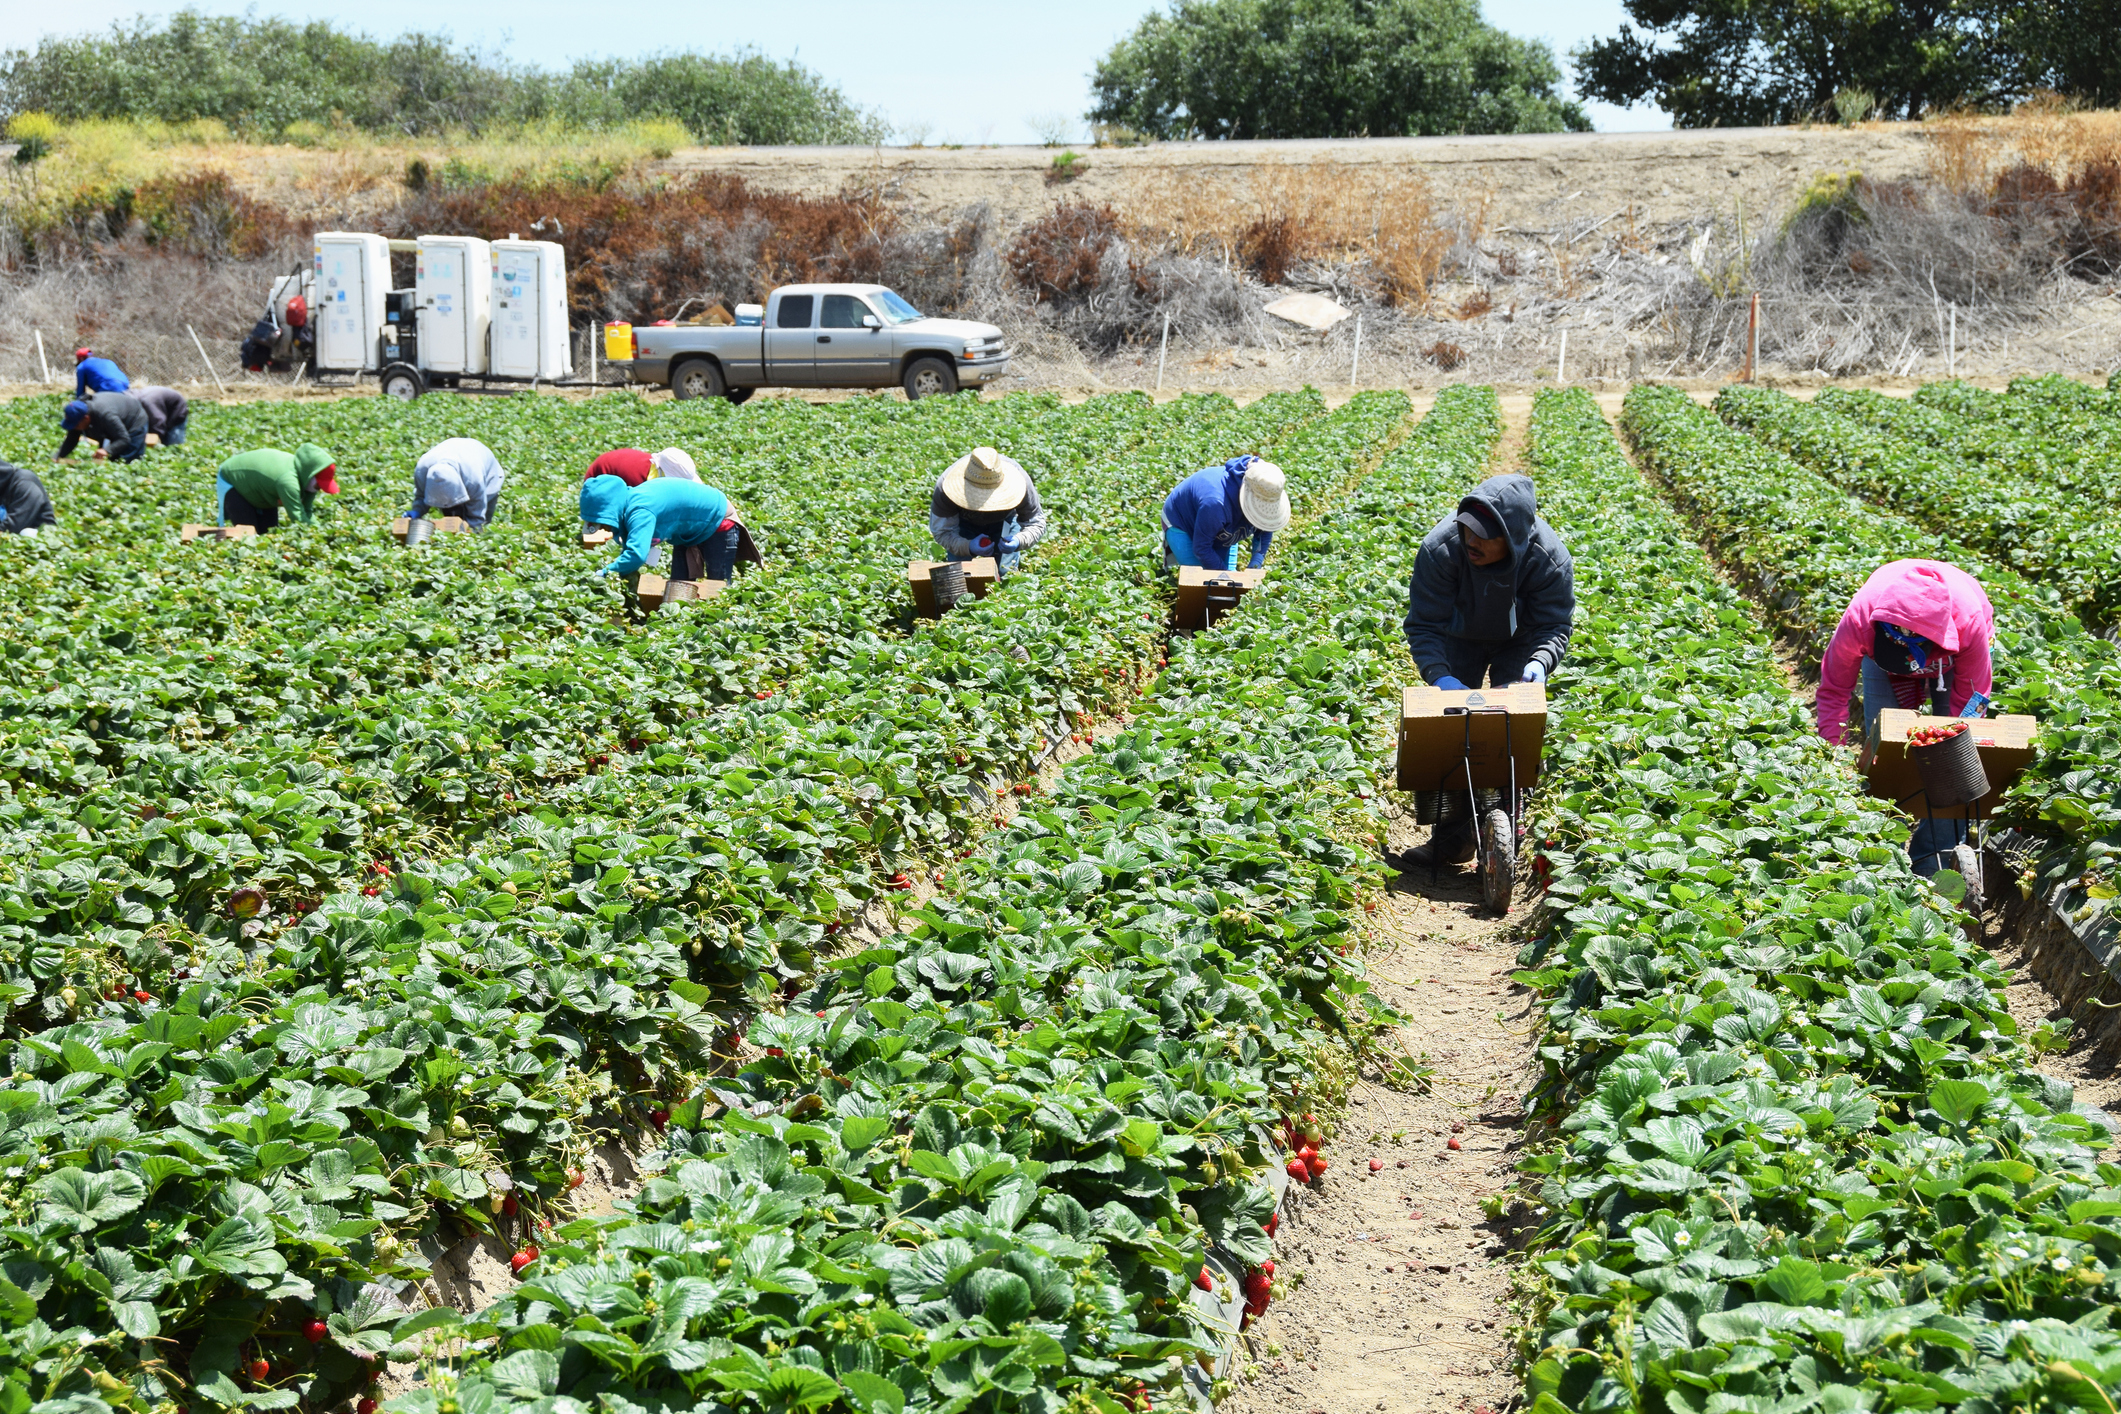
73,415
1901,651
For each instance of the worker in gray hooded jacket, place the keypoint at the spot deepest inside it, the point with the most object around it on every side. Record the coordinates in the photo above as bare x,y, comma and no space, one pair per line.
1491,603
460,477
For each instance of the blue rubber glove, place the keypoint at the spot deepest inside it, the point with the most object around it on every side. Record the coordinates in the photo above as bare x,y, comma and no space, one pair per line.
1009,544
1449,684
981,544
1534,671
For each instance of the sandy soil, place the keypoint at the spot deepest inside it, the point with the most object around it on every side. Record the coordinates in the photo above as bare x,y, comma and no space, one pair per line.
1405,1285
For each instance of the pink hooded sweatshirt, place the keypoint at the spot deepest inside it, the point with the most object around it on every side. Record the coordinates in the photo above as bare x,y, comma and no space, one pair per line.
1942,603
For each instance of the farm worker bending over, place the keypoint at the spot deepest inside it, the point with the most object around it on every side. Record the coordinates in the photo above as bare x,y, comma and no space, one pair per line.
1918,630
696,520
1491,602
1215,508
97,375
253,486
984,504
25,506
634,466
460,477
115,421
168,413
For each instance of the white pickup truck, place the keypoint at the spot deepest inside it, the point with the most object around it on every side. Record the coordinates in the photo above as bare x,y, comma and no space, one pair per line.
820,336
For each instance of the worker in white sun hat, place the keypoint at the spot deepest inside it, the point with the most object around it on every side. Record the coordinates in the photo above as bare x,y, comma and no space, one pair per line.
985,504
460,477
1216,507
675,464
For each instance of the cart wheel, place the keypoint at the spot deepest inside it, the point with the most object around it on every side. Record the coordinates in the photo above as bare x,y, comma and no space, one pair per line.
403,382
1498,867
1967,860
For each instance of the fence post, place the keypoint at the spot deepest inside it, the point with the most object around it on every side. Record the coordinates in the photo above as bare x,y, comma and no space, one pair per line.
1162,349
40,356
1561,361
1355,363
594,330
204,359
1951,346
1752,339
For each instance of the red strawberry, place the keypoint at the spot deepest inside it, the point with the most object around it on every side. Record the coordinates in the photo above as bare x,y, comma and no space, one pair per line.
522,1259
773,1051
1307,1153
1318,1166
574,1179
259,1370
660,1118
1298,1171
1273,1222
508,1206
1453,1144
366,1406
316,1331
1377,1165
1267,1267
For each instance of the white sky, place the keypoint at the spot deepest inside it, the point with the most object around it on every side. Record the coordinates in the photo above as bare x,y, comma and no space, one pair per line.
971,72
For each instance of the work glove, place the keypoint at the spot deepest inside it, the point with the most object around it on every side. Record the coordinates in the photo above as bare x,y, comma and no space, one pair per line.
983,544
1449,684
1010,544
1534,671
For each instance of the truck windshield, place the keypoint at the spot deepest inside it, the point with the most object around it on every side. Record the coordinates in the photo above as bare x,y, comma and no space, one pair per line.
893,309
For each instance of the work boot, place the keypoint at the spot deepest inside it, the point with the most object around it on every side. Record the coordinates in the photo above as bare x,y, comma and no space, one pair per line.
1448,844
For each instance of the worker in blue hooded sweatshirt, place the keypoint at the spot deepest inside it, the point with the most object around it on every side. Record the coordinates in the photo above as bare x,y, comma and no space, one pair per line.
692,517
1491,602
1215,508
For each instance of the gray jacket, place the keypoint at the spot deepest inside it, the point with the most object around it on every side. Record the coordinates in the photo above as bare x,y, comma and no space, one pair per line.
1527,602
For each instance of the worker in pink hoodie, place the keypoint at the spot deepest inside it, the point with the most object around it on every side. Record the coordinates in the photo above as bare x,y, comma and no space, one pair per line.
1918,631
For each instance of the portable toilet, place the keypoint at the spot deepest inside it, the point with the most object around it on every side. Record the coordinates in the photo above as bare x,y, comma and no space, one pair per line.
352,274
453,286
530,334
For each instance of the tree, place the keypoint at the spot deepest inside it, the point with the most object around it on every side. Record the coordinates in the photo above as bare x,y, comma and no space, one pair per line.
1728,63
2070,47
1328,68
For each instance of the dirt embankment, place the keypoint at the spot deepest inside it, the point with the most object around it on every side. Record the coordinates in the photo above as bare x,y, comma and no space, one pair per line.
1532,181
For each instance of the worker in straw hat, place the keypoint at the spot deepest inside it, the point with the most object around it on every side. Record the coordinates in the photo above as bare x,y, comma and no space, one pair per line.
460,477
985,504
1491,603
1216,507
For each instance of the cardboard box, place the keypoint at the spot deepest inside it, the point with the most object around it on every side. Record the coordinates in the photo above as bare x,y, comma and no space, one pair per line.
216,532
1206,595
593,538
2005,744
444,525
1440,731
656,592
981,575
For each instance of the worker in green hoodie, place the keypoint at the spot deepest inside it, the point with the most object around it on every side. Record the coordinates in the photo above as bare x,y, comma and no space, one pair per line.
253,486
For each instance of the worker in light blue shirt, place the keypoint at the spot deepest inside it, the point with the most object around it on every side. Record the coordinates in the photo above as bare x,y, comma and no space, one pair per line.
1215,508
93,374
460,477
693,518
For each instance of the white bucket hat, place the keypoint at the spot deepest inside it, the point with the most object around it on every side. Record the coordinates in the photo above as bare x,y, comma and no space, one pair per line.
1264,497
984,478
445,486
675,464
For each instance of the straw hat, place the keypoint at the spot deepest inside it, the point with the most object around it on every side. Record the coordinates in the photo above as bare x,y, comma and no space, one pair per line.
1264,497
984,479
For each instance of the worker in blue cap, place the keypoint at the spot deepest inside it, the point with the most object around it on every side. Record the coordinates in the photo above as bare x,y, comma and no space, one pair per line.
115,422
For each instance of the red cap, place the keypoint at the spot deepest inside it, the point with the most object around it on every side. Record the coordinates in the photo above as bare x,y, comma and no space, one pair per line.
328,480
80,354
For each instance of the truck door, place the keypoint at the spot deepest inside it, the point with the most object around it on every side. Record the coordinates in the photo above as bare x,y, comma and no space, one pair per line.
850,355
791,341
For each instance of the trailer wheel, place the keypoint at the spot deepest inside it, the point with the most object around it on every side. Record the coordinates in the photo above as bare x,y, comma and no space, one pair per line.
401,381
1498,869
738,395
926,377
697,378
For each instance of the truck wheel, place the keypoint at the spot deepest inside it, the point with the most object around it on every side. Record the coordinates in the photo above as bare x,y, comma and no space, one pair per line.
926,377
697,378
401,381
737,395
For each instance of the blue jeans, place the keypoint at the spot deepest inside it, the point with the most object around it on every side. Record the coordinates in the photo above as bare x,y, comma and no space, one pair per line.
235,509
1005,563
1179,545
130,450
1929,847
712,558
173,436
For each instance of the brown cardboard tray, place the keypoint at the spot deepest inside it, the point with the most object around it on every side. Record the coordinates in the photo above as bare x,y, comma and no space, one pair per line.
2005,744
1440,730
981,575
1206,595
216,532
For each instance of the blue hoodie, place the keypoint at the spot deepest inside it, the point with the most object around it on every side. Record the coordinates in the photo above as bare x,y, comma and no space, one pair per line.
1206,507
99,375
679,512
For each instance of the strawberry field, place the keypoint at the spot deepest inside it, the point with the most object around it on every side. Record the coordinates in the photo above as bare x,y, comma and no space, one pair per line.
350,896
